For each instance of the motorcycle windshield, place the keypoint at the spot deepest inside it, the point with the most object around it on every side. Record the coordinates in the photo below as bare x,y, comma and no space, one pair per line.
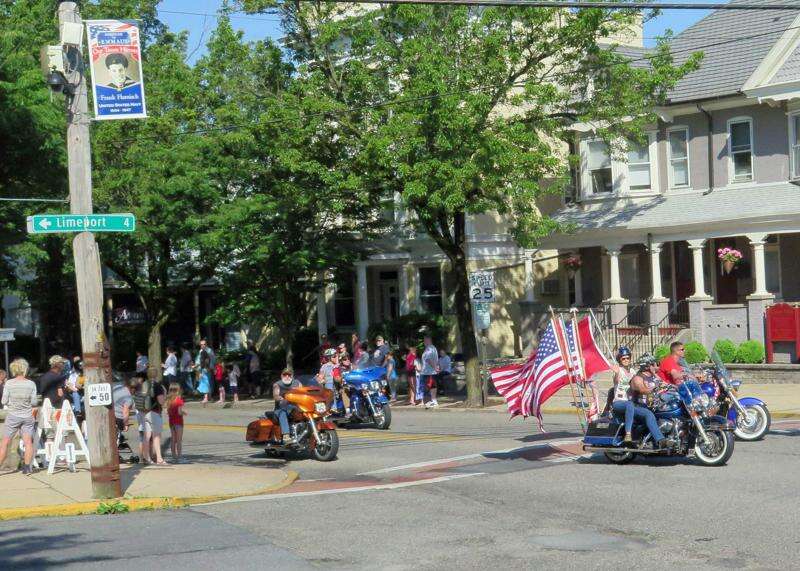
721,370
688,390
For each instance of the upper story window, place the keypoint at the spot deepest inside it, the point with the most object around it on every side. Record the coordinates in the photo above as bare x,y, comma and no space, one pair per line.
640,166
740,147
794,144
599,163
678,140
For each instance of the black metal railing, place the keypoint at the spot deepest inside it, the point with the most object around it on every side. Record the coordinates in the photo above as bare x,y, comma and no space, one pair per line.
659,333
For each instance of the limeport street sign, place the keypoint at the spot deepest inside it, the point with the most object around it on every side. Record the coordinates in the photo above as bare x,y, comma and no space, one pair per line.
55,223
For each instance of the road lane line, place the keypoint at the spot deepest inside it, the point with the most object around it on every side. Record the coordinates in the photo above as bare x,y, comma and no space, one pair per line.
392,486
464,457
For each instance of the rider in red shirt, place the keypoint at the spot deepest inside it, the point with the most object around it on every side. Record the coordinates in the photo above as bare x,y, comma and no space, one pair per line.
670,371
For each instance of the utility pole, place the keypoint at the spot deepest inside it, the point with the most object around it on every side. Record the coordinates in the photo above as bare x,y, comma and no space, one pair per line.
102,430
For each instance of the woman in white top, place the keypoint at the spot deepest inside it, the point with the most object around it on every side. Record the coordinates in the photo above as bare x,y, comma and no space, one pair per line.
619,395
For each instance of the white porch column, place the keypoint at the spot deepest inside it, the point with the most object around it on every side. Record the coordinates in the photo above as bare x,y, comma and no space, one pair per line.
696,246
760,271
613,264
322,312
403,275
655,270
362,319
530,284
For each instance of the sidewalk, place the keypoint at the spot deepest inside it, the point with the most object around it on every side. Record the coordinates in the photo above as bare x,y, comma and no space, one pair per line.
152,487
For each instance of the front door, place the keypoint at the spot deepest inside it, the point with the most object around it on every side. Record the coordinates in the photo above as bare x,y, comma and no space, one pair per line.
389,295
684,283
727,291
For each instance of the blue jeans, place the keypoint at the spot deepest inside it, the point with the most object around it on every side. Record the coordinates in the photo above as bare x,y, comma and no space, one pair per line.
632,411
283,411
76,401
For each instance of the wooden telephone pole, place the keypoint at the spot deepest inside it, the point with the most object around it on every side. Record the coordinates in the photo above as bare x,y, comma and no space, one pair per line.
102,429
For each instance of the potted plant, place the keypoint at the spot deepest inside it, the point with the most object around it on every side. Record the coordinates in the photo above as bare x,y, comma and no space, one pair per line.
573,263
730,258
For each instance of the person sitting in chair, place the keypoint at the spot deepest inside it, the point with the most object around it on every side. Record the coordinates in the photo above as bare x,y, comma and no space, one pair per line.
283,408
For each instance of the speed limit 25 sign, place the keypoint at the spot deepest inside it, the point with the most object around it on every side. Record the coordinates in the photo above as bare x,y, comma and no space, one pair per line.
481,287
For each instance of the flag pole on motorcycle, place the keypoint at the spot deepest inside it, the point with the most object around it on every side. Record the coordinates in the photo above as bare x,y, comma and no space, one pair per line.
594,410
563,348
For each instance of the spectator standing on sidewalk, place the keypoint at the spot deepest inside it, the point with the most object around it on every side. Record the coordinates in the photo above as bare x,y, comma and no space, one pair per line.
203,366
175,412
219,378
430,369
154,422
445,371
19,399
3,377
52,383
381,350
141,365
254,375
234,373
363,360
186,369
411,375
170,367
73,385
391,374
355,346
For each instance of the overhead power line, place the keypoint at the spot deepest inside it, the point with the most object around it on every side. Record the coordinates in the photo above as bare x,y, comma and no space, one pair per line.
605,4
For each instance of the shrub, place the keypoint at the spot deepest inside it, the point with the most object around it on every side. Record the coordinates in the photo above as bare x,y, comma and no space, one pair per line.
750,352
726,350
695,353
661,351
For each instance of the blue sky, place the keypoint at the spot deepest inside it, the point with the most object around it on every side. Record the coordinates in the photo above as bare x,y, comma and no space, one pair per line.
261,26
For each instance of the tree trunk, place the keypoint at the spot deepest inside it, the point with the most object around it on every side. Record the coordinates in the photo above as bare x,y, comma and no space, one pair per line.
154,348
466,328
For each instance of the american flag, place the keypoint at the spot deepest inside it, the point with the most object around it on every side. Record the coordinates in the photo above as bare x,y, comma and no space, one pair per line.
528,386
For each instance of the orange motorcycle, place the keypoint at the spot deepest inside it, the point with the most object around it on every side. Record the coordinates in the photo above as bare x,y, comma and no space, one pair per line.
315,434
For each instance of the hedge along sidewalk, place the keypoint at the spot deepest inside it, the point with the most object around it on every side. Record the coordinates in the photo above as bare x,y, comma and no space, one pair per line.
152,487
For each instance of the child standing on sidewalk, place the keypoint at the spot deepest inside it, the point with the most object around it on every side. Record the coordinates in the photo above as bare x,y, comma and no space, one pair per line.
176,412
233,380
219,377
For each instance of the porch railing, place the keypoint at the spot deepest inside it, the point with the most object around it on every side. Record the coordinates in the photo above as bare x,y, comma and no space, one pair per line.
651,336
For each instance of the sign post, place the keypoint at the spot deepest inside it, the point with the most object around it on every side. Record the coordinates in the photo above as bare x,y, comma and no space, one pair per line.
481,293
6,335
60,223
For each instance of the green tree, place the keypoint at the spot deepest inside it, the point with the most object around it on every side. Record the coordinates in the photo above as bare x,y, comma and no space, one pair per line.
293,216
476,105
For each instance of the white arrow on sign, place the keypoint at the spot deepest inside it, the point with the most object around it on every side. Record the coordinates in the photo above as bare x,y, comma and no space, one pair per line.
45,223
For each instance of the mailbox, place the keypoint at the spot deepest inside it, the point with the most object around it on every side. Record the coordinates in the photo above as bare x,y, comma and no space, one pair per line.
783,325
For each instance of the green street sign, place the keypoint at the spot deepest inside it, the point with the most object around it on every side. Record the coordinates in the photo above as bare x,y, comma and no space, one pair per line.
56,223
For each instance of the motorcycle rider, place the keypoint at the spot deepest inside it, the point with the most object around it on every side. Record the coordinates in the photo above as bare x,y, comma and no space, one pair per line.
642,384
672,366
623,373
283,408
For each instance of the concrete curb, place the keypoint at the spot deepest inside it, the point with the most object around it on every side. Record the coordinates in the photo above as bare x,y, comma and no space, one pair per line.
135,504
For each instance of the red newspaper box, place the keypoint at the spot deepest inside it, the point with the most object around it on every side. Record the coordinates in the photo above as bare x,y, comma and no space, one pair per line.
783,324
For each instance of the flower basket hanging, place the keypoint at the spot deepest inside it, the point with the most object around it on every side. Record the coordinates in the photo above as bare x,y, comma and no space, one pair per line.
572,263
730,258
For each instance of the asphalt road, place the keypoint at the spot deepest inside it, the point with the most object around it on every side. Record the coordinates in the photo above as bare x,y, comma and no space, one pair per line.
443,490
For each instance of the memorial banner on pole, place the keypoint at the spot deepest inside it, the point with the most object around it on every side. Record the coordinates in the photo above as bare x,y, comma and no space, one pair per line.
116,61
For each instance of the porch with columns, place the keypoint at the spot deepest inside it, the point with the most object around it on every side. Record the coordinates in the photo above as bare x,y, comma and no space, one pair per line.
709,317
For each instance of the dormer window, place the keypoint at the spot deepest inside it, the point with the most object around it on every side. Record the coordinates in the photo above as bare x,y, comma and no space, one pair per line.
599,163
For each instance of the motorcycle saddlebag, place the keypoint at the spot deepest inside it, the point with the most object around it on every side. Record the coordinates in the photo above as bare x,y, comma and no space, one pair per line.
602,433
259,430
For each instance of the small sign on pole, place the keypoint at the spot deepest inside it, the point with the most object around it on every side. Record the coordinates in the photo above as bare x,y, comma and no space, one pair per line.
481,287
99,394
483,315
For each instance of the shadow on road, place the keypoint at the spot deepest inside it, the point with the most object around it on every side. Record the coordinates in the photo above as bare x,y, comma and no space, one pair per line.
30,548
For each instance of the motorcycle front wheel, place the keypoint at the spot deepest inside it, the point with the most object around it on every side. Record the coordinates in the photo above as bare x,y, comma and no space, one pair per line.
328,446
755,425
383,422
718,451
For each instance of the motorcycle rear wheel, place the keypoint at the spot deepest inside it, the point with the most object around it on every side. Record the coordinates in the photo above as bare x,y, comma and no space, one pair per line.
757,428
328,446
719,452
620,457
386,420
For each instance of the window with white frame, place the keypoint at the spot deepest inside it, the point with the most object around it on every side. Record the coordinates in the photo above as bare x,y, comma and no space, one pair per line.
430,290
599,165
678,140
740,147
639,173
794,143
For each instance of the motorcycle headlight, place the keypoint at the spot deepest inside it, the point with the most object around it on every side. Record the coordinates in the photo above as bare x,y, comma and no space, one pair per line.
384,382
375,385
320,407
701,402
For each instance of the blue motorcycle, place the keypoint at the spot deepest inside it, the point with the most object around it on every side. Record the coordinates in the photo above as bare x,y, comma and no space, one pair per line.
684,419
368,401
749,415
